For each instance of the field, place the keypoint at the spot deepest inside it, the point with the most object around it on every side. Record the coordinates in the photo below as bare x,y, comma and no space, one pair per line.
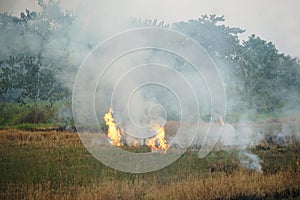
55,165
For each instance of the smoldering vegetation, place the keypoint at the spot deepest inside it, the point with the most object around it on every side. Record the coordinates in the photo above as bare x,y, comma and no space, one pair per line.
42,51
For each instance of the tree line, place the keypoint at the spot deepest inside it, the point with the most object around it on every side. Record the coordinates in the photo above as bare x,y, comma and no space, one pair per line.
35,64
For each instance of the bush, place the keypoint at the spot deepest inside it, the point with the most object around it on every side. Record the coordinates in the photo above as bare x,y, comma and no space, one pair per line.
30,113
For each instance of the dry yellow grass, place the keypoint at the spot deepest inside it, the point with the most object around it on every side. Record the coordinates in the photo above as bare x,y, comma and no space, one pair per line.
20,135
220,185
112,185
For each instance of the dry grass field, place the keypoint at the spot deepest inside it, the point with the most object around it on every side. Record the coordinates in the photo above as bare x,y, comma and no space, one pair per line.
55,165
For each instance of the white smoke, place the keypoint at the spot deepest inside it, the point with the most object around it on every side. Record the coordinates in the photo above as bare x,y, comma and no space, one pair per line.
250,160
241,138
92,25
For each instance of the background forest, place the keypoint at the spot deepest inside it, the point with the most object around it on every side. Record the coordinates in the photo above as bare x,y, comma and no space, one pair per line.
42,51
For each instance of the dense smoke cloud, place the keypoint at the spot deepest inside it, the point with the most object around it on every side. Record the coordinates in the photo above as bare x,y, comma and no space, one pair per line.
118,85
274,21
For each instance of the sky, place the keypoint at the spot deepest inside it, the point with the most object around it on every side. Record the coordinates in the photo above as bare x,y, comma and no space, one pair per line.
272,20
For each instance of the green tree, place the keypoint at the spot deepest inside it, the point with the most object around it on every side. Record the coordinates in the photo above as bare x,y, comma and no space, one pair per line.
264,74
219,40
34,58
23,79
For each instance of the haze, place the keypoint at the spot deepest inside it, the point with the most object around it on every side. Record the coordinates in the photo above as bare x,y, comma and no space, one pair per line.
275,21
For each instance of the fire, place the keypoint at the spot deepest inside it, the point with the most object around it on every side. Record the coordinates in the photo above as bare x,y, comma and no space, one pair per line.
114,132
158,142
136,143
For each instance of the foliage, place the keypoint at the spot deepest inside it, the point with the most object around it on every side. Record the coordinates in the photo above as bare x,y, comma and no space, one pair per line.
12,113
42,112
219,40
24,79
254,70
37,59
265,75
29,70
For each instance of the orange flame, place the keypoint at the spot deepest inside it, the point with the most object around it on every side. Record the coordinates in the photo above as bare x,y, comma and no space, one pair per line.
114,132
158,142
136,143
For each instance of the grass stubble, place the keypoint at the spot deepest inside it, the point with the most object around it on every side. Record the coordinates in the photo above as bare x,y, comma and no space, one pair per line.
55,165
